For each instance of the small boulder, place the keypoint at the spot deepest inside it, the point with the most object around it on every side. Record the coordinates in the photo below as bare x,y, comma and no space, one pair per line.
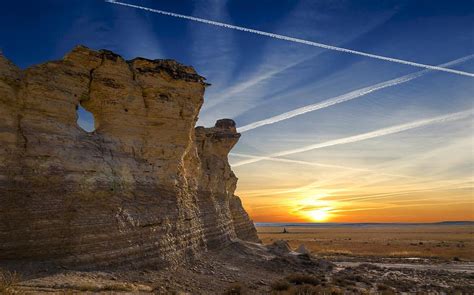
302,250
279,247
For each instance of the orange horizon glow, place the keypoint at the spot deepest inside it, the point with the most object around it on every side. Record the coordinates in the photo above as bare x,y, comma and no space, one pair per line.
351,184
326,207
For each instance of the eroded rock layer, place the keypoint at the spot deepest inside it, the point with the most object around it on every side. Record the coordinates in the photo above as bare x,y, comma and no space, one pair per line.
145,187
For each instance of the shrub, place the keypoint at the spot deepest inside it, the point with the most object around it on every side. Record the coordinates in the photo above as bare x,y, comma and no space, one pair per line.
384,289
236,289
280,285
8,280
304,290
343,281
302,279
313,290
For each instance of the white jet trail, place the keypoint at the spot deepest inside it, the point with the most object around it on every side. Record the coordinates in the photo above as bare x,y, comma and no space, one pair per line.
344,97
365,136
291,39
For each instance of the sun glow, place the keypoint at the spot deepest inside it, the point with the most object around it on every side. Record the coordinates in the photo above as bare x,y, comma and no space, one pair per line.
319,214
314,208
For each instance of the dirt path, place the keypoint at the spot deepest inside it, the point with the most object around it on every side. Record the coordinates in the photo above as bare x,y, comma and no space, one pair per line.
467,267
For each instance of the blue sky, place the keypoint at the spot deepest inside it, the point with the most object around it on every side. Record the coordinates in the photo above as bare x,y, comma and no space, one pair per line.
256,77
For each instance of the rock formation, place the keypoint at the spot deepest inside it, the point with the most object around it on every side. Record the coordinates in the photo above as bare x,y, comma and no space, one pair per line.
145,187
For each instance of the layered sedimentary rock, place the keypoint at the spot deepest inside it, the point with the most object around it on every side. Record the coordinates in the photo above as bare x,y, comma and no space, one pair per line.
145,187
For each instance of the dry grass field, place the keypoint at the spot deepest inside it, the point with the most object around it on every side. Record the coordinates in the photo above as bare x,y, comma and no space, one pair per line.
430,241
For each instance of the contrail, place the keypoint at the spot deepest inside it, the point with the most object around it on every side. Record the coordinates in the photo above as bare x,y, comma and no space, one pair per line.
365,136
344,97
320,165
406,205
291,39
405,192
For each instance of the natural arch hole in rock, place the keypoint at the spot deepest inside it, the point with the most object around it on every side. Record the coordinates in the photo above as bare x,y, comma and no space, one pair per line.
85,119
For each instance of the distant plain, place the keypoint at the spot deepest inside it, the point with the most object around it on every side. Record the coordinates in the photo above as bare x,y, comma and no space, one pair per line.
445,242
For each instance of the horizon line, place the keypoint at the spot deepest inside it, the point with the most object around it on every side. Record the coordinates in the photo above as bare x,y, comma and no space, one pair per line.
368,222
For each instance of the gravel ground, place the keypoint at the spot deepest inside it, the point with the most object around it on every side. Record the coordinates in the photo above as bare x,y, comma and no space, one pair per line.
248,268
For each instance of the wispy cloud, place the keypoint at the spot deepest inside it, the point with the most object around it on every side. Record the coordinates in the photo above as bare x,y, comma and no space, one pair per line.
365,136
249,83
127,33
292,39
134,35
213,50
366,188
345,97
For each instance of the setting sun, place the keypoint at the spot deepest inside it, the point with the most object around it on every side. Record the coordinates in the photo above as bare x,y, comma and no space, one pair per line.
314,208
319,214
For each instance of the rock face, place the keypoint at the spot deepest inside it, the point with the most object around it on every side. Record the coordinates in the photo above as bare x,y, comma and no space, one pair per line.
145,187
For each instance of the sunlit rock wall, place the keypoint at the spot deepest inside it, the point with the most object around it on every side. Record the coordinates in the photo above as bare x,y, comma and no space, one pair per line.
145,187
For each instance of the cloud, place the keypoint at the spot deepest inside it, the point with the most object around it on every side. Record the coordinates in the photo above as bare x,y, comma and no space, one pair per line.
213,50
253,81
296,40
135,36
365,136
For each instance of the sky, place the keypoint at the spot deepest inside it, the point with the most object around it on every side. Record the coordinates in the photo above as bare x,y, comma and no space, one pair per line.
327,135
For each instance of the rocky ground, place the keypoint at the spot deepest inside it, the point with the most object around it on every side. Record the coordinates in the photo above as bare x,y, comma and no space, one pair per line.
249,268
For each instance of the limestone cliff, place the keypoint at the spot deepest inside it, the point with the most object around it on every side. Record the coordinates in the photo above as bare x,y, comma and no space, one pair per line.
145,187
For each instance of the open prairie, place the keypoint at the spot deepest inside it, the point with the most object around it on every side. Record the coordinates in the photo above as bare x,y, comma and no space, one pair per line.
446,242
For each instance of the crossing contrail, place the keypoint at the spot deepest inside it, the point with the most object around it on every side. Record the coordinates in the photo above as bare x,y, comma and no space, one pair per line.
364,136
291,39
344,97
